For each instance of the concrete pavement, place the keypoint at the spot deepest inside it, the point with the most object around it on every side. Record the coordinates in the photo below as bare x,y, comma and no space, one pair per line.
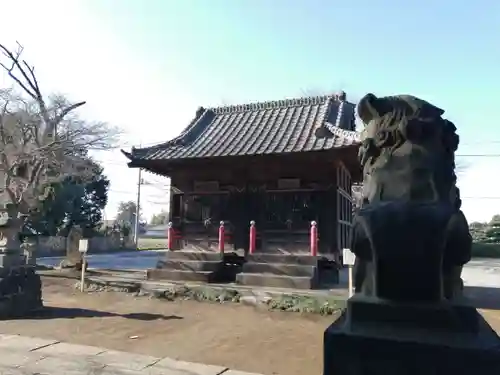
21,355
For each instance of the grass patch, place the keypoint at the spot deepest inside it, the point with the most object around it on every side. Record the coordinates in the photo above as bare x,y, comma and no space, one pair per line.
485,250
305,304
152,243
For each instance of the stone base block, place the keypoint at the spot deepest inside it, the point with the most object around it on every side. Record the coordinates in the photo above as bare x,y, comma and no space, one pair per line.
11,259
276,281
73,264
281,269
357,345
190,265
180,275
20,292
204,256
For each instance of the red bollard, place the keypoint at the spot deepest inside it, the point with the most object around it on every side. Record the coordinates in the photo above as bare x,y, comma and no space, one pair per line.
170,236
314,239
221,237
253,238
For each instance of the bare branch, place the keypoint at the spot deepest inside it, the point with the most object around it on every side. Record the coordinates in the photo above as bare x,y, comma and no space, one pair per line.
30,86
30,166
42,140
13,59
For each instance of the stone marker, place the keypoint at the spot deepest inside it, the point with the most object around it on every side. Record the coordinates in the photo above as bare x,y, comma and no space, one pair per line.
411,240
73,257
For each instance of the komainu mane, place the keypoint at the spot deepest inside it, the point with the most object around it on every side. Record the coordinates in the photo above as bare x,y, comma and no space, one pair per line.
411,205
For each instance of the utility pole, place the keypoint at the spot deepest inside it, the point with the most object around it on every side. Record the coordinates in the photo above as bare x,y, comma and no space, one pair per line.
138,207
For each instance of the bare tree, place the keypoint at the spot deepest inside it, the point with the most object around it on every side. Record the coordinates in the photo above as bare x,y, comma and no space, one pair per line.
42,140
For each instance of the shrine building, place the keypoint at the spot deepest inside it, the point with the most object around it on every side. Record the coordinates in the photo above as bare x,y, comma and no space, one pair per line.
283,165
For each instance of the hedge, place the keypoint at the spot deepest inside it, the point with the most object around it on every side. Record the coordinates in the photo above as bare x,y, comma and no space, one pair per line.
485,250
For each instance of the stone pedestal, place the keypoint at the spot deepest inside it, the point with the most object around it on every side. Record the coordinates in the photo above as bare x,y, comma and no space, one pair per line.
379,337
20,286
11,259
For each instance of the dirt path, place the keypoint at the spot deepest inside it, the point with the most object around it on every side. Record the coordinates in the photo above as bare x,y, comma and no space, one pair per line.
230,335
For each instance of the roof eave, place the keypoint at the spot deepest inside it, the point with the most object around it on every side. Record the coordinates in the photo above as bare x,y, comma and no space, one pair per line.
128,155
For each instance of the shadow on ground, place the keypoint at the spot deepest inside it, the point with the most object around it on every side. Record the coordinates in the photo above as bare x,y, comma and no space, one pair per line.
483,297
71,313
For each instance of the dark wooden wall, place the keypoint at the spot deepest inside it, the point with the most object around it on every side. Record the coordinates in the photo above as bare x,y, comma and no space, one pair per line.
318,174
242,172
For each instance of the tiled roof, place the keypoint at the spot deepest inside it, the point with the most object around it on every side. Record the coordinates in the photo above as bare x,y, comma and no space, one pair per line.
283,126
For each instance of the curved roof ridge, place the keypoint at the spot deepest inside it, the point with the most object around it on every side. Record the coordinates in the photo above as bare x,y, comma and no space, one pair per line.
272,104
339,132
201,112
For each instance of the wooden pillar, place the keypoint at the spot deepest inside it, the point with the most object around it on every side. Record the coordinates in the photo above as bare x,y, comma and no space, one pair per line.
222,237
253,238
314,239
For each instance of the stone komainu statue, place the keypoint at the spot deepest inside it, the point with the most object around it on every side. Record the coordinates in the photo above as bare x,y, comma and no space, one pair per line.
410,237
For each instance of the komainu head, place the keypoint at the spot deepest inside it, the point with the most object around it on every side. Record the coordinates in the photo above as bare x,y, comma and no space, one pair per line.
407,151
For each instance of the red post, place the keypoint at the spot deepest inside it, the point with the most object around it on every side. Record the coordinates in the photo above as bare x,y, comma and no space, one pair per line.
314,239
253,238
170,236
221,237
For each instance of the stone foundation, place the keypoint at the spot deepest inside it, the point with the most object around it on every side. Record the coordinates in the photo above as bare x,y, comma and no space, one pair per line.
280,270
189,266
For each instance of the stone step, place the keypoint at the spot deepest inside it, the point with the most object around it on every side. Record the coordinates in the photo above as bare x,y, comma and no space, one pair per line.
193,255
305,260
180,275
190,265
280,269
276,281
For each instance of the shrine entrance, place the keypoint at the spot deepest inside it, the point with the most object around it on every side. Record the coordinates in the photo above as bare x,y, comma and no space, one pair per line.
245,207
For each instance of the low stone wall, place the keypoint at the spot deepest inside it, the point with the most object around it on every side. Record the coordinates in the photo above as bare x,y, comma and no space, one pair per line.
316,302
56,245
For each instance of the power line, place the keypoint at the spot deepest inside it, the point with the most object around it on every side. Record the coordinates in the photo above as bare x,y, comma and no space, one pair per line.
478,155
124,163
145,145
162,196
480,198
486,142
138,206
129,192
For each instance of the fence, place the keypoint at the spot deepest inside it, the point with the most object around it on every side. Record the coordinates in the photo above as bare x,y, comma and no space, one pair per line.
56,245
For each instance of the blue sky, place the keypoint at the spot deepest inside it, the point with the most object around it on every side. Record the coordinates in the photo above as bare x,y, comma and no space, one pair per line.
147,65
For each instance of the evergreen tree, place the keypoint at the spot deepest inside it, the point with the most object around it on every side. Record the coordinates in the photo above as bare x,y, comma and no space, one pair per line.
492,231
